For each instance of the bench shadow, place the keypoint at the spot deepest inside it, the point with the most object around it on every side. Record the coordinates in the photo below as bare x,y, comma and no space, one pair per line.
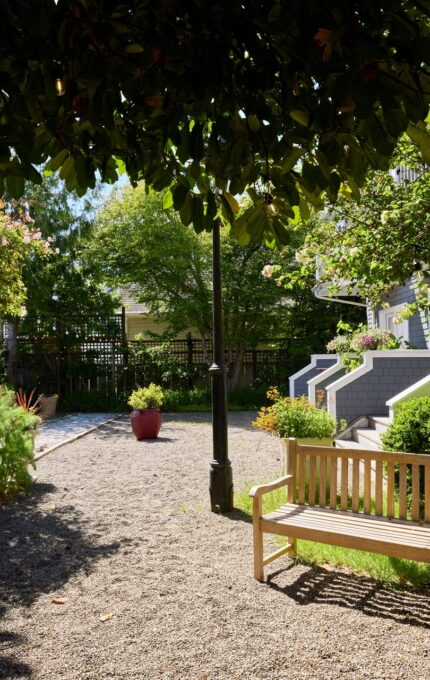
42,546
370,597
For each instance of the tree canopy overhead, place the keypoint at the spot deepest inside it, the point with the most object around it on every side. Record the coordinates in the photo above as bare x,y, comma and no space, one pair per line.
288,100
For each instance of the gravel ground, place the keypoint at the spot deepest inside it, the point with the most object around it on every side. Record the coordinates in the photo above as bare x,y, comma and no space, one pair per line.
122,531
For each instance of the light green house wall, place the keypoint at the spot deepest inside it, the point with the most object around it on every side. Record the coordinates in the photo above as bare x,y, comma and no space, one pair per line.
144,323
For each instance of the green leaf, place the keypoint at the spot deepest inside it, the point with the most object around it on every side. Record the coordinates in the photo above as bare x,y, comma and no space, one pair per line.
211,205
197,215
234,205
301,117
290,161
15,185
226,209
185,213
180,192
253,123
237,154
418,134
134,48
196,142
68,168
167,199
57,161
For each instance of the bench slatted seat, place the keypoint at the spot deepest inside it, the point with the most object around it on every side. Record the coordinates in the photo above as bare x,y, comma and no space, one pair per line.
366,500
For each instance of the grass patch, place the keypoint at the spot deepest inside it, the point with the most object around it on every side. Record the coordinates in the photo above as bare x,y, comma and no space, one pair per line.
391,571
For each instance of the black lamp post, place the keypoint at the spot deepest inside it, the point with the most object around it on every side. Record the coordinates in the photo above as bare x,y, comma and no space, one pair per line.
221,474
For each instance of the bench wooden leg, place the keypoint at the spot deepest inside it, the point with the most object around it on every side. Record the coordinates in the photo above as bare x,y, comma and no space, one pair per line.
293,543
258,540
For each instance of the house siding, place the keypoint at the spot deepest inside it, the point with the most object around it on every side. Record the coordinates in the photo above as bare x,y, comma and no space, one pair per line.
324,383
418,324
368,394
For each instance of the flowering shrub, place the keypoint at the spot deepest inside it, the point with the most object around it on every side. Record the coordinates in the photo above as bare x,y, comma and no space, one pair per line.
360,341
18,241
294,418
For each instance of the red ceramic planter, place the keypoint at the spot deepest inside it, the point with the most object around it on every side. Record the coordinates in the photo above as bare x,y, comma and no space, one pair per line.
146,423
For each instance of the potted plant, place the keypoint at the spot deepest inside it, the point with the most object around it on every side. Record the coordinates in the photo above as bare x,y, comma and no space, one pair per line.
146,417
48,405
296,418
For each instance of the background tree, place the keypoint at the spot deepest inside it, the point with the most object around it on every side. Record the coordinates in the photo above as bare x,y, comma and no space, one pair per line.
140,243
47,295
382,241
137,242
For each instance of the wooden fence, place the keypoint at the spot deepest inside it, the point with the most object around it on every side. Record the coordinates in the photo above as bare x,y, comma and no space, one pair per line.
65,364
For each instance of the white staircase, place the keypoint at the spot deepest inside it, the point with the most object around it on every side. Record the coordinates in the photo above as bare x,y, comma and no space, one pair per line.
364,433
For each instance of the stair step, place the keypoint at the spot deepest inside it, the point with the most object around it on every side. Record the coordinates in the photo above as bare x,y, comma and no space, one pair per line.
380,423
347,444
368,437
366,445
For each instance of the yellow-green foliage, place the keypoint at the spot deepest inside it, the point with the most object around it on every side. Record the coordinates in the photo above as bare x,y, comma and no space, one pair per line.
146,397
17,427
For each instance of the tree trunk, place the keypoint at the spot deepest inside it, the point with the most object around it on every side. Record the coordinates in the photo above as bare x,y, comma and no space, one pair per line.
12,333
237,365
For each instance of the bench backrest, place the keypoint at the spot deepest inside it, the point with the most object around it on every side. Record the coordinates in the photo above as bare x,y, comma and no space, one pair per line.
374,482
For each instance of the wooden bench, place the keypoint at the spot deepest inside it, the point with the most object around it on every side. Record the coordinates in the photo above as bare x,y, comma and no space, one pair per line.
367,500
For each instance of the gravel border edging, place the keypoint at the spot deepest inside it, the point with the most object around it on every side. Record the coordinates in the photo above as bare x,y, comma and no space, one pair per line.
42,454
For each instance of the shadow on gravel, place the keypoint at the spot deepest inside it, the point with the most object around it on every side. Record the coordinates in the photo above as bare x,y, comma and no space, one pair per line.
318,586
239,516
42,547
10,667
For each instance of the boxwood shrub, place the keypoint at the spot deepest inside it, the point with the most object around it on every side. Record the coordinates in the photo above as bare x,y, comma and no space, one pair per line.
410,429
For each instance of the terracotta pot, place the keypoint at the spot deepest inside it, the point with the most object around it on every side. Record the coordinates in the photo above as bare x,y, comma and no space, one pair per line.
146,423
48,405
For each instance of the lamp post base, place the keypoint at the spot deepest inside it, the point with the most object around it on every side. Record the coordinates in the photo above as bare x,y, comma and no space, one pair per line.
221,486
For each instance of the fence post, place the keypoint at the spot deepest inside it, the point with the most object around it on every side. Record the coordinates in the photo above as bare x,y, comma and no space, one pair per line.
124,340
190,348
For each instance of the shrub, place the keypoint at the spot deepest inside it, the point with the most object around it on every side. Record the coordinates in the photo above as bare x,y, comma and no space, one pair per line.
157,363
410,429
146,397
17,429
93,400
294,418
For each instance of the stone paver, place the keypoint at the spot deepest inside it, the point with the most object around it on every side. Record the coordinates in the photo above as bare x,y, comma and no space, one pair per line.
53,432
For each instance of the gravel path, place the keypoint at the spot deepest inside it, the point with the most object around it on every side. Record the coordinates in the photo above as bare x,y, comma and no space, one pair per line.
122,529
53,433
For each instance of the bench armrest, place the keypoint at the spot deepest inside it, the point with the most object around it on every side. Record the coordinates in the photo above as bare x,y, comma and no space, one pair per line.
257,491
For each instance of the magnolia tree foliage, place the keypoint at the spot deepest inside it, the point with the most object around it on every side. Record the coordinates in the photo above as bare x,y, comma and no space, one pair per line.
290,101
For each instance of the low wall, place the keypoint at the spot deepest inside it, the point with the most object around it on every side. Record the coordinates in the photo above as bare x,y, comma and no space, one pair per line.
383,374
299,381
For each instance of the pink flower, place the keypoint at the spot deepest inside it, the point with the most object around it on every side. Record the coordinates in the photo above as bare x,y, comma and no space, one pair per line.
4,241
37,235
27,238
57,250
